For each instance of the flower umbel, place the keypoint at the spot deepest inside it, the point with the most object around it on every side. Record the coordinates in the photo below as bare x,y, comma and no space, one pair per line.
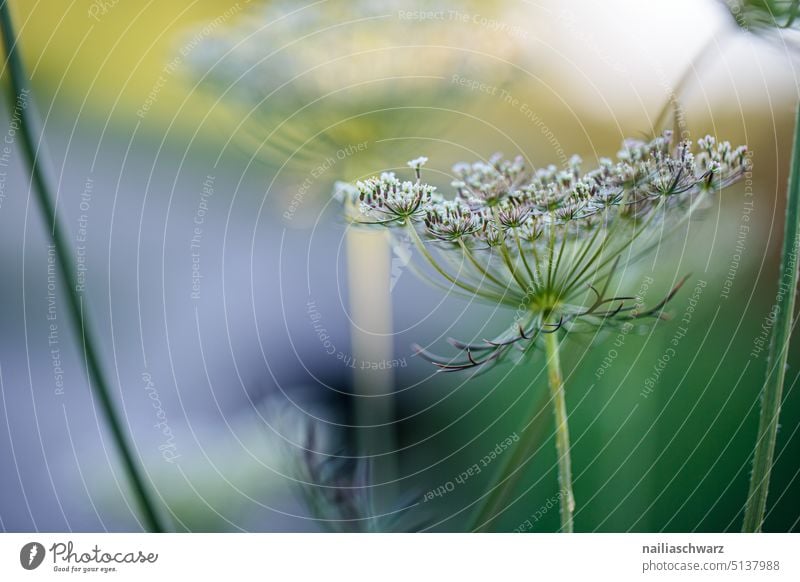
389,200
548,242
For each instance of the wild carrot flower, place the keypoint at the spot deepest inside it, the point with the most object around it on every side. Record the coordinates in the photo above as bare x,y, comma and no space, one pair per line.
548,242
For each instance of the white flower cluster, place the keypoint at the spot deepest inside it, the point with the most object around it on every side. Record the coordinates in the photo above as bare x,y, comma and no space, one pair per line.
544,241
502,195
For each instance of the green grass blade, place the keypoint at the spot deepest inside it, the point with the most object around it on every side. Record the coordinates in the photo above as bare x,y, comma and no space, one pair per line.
20,95
778,351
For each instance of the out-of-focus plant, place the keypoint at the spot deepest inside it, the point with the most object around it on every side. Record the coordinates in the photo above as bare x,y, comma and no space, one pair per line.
778,21
21,103
549,244
772,392
773,20
306,82
337,488
308,79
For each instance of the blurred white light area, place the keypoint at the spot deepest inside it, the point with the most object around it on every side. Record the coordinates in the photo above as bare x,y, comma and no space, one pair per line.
628,55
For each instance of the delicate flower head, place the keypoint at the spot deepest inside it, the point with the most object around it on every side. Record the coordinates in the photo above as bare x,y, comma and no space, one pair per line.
488,182
512,216
417,163
452,221
547,242
389,200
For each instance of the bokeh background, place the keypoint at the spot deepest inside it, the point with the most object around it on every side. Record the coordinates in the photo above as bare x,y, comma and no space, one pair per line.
195,146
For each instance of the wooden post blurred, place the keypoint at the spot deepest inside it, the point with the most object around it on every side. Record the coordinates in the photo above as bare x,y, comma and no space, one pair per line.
369,279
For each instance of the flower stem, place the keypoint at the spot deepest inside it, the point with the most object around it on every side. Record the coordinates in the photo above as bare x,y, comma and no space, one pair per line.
420,246
556,381
772,392
20,98
512,469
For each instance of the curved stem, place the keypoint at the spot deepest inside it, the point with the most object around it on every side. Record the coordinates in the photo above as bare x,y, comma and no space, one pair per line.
556,382
20,95
512,469
468,273
468,288
531,274
584,277
560,255
772,393
425,278
483,271
580,255
512,269
551,252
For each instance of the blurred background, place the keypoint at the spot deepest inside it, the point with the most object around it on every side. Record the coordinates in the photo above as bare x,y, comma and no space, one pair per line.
250,335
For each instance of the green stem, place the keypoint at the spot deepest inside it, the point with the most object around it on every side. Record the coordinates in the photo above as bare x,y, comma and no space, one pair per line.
556,382
458,283
512,469
531,274
512,269
20,99
482,271
772,392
